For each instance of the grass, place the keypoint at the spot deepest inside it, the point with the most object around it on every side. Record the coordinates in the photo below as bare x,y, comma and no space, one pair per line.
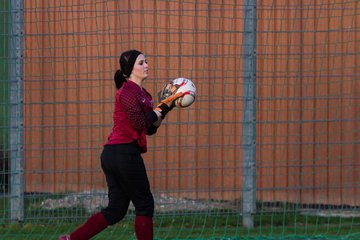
198,227
289,223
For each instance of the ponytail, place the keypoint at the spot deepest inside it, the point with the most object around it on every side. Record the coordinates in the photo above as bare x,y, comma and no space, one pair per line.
119,78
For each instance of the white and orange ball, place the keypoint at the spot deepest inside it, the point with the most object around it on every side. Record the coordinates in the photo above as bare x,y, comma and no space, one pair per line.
188,88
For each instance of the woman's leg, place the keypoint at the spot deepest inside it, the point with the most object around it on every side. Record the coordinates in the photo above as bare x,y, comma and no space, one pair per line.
118,201
136,183
111,159
143,227
95,224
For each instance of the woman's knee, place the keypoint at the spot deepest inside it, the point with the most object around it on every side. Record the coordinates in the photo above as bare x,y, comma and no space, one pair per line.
145,207
114,215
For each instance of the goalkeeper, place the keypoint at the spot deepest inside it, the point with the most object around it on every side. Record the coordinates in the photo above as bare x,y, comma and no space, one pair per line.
121,161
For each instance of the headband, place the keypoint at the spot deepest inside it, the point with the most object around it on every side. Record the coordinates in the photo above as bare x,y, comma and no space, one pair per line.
130,58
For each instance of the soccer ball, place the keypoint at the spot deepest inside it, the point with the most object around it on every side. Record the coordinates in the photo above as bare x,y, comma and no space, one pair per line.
188,88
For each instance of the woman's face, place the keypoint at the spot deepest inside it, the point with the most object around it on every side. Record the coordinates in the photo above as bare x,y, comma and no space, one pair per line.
140,69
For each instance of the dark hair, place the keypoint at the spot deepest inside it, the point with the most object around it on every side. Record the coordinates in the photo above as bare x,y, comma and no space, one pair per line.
126,61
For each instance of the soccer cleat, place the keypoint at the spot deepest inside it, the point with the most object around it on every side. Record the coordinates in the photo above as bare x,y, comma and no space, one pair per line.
64,237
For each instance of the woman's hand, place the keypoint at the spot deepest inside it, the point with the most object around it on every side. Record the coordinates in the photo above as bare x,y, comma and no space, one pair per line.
167,104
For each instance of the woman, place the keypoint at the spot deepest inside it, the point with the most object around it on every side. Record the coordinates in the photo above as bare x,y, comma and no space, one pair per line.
121,160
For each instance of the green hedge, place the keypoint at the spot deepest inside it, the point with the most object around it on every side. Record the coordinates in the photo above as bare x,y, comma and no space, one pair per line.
4,93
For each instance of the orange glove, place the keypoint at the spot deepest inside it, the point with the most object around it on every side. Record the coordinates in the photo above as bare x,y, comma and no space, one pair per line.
167,104
168,90
169,101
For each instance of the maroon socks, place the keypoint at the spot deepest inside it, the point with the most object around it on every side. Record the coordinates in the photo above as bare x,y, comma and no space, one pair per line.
97,223
144,228
90,228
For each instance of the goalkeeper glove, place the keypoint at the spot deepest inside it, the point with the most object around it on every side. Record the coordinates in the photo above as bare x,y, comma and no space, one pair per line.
167,104
168,90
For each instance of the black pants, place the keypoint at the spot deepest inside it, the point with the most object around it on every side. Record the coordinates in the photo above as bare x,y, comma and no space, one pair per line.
127,181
